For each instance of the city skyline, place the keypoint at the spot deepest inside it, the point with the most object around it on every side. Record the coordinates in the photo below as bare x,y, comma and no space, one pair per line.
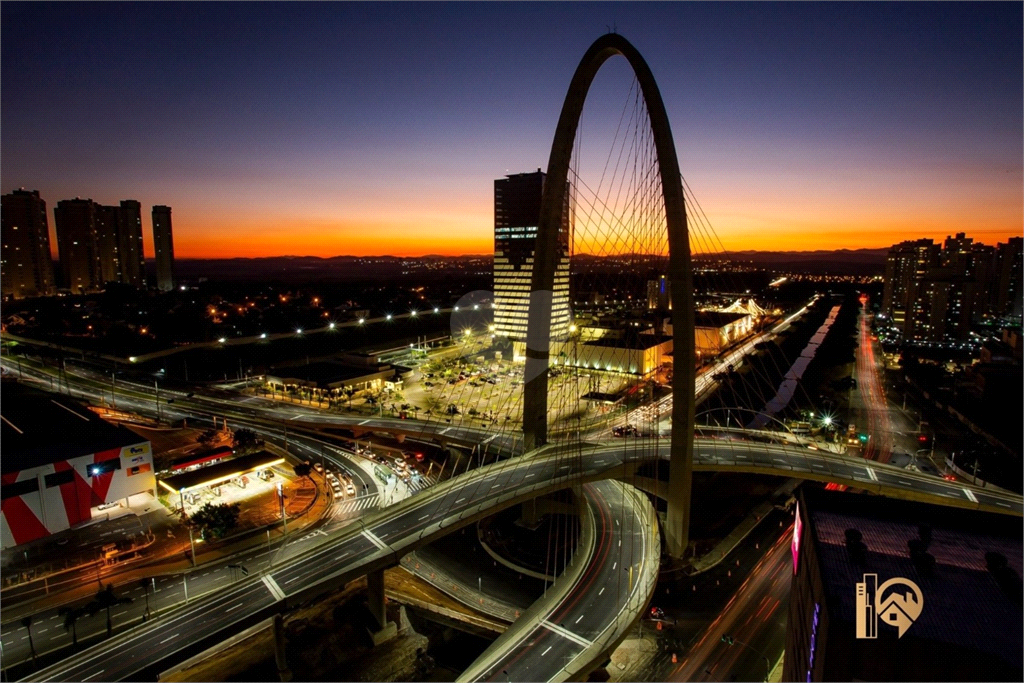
345,129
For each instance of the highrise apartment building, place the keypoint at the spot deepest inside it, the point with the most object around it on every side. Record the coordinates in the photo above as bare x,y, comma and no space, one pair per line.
78,245
98,244
935,294
129,244
517,200
26,268
163,245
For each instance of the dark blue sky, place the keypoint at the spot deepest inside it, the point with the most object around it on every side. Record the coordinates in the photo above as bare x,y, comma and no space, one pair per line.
331,128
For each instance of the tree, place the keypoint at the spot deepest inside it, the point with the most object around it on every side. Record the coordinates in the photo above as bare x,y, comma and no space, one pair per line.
71,616
303,469
216,521
207,437
104,600
27,623
245,440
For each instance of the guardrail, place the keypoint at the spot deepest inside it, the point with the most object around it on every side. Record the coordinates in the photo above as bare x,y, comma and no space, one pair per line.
640,596
552,597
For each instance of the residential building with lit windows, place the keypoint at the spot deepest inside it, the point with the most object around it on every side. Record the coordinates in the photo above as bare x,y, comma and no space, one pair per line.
26,267
517,201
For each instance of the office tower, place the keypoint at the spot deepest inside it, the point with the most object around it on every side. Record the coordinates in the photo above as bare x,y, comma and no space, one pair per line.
129,243
77,245
163,244
106,219
517,201
26,268
659,296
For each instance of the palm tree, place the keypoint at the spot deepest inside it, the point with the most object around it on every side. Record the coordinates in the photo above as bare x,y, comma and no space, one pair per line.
104,600
27,623
71,616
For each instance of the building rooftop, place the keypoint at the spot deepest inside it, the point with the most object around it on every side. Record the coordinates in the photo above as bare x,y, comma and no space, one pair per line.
630,340
40,428
716,319
965,604
325,372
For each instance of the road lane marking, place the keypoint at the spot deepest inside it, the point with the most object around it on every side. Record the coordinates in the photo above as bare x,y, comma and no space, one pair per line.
459,500
531,474
545,651
423,518
272,586
171,638
565,633
601,592
375,540
233,607
363,422
94,675
871,473
970,496
580,618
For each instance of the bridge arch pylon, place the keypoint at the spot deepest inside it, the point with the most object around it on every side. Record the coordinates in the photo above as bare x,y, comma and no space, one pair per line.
546,256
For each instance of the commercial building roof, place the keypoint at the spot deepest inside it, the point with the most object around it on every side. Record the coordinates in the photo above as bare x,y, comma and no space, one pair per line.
716,319
40,428
326,373
965,605
630,340
221,472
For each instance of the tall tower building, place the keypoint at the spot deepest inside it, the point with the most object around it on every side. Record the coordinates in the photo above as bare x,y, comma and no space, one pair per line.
26,267
517,201
78,245
108,248
1007,277
163,244
129,243
905,267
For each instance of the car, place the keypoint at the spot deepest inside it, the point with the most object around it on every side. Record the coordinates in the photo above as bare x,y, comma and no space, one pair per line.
350,489
319,468
949,477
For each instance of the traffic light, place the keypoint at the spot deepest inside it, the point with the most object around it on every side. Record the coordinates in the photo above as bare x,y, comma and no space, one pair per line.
728,640
863,438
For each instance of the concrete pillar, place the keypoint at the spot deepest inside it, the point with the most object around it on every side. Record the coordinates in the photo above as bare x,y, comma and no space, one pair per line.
283,672
375,596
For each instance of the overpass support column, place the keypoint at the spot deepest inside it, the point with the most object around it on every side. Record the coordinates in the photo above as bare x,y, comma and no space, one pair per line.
375,595
283,672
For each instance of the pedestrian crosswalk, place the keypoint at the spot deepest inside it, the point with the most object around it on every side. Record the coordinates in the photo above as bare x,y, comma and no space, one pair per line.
369,502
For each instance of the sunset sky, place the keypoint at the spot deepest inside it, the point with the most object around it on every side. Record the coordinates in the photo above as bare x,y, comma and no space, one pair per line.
326,129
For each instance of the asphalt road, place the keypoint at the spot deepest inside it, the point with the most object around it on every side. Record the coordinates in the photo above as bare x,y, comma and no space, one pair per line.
755,618
611,580
168,591
338,556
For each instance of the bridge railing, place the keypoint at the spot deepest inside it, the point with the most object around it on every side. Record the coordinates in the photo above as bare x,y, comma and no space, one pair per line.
639,598
541,608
